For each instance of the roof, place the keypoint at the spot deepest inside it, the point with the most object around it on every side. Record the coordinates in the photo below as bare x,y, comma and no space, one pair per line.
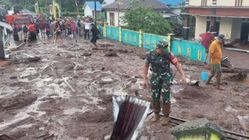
28,12
91,5
172,2
125,4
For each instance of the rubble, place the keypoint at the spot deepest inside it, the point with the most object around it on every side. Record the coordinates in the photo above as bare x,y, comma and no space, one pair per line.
70,94
111,54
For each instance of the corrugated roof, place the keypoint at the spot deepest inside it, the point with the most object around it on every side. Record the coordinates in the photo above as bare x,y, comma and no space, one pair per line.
172,2
5,25
125,4
91,4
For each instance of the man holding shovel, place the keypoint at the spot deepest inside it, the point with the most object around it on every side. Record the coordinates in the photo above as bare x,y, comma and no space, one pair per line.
159,61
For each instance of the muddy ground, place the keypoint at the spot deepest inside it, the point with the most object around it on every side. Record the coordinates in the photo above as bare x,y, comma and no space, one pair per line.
67,94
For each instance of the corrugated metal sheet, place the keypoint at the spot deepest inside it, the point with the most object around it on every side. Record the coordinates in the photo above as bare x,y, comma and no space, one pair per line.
129,115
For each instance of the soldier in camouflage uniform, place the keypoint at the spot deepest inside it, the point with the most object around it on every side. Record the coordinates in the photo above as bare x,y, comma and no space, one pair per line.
159,62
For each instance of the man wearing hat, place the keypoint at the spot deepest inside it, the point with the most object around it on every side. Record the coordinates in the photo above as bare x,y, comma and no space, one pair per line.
159,61
215,57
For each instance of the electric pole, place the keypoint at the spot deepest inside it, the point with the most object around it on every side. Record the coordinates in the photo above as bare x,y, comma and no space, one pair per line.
95,11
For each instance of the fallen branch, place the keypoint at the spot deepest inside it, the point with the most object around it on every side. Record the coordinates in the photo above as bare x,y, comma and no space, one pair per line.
65,80
238,50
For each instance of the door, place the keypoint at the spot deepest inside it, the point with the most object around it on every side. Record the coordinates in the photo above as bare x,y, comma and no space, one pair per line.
215,28
244,31
112,19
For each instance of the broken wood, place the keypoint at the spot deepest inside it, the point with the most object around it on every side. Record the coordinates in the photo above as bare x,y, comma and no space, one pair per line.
6,137
238,50
65,80
26,60
14,124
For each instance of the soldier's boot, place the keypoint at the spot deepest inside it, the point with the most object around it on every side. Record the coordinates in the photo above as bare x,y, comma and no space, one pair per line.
166,112
156,110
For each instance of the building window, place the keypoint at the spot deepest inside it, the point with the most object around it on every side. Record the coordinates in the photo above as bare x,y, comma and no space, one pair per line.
186,2
203,2
213,25
214,2
238,3
112,19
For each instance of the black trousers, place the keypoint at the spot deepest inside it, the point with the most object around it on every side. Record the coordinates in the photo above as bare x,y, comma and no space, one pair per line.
32,36
87,34
2,54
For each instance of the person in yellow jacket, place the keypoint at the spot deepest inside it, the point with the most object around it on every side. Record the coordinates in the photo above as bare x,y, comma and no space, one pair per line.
215,57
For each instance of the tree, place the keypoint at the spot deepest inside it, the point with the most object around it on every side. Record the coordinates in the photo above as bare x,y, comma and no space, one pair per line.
146,19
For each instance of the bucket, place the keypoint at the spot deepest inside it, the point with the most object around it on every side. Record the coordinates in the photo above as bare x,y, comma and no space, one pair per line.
204,76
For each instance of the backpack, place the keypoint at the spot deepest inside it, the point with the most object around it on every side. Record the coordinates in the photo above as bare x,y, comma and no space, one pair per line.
25,29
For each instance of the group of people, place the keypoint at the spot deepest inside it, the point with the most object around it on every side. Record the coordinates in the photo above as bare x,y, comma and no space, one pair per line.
25,32
158,62
60,28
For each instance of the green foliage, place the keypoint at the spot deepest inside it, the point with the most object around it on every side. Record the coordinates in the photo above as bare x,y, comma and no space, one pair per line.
101,16
146,19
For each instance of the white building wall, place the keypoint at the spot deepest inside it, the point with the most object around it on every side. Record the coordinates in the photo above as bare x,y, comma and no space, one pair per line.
245,3
194,2
201,24
88,11
219,2
116,15
226,27
226,3
236,29
209,2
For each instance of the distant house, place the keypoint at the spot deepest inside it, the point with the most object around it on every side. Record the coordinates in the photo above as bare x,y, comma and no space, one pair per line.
116,10
106,2
228,17
89,8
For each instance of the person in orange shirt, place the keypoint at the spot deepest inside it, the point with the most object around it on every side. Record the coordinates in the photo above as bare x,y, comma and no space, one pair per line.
215,57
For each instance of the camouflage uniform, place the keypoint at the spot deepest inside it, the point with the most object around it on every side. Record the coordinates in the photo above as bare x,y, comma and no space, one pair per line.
160,80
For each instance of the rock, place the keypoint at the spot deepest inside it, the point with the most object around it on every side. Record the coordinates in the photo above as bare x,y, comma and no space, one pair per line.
102,69
69,67
142,57
86,54
144,138
75,76
34,59
70,56
107,137
106,80
241,76
111,54
13,77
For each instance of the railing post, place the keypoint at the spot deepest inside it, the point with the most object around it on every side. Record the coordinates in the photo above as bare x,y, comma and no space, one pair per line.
104,30
170,39
140,38
120,34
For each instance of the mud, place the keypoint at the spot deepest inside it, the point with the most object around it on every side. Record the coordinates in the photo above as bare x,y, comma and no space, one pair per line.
67,94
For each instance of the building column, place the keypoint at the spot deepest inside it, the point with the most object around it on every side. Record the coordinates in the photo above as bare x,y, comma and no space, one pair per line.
200,26
186,27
